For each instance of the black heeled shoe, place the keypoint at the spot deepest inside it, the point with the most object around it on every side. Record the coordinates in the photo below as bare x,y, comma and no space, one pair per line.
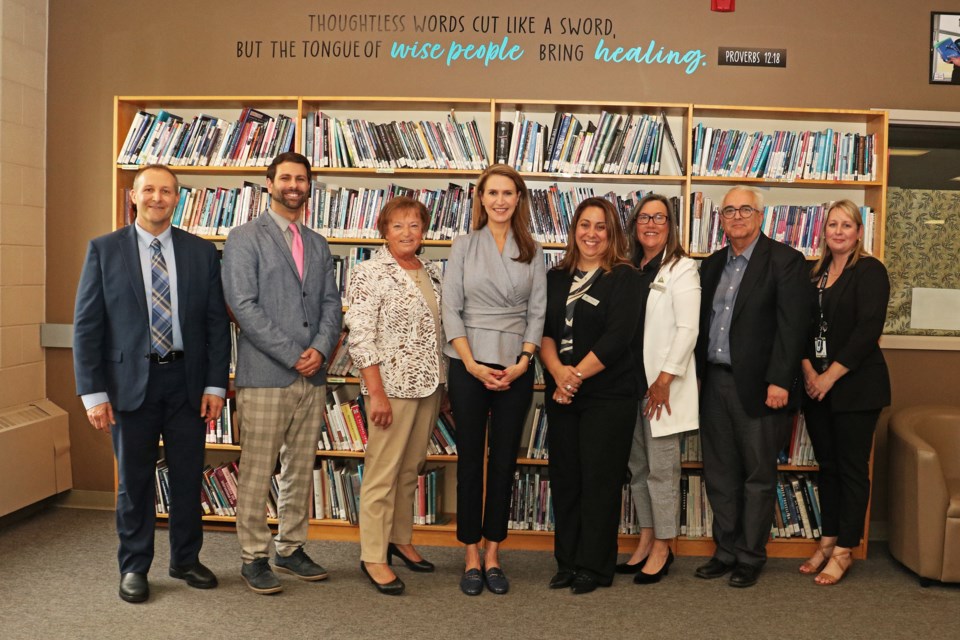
392,588
627,568
651,578
423,566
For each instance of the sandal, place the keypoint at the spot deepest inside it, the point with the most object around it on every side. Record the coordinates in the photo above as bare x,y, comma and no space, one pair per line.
811,566
841,560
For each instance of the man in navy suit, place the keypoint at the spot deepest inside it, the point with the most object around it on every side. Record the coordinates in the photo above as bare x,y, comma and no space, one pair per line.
151,354
753,322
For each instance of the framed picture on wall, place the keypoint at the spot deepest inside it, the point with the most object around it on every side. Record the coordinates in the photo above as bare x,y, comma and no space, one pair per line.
944,48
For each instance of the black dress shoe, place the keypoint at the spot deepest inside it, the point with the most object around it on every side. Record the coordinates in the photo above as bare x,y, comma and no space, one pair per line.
392,588
562,579
134,587
626,567
651,578
582,583
744,576
713,569
196,575
422,566
471,582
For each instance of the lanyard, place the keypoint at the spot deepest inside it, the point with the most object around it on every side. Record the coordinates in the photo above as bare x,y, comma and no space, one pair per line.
820,289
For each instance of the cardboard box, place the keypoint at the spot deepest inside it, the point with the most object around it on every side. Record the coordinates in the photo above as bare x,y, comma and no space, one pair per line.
34,454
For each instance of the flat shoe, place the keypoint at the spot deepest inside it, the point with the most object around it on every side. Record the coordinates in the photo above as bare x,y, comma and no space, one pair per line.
562,580
715,568
583,583
496,581
744,576
471,583
134,587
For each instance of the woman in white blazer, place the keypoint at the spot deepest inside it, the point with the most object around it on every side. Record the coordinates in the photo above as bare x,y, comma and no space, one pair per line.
670,305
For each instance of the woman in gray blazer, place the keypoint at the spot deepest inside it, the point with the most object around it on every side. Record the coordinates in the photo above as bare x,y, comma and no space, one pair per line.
494,300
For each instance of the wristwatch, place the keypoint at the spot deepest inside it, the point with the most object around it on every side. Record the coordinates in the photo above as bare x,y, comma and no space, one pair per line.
529,355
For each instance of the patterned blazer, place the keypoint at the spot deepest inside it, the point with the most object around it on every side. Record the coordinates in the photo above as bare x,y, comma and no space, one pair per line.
391,325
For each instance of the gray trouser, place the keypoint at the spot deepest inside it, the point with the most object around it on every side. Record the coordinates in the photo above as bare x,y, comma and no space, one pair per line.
655,479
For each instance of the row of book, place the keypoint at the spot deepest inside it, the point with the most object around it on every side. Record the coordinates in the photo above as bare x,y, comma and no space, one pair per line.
784,155
798,226
696,516
214,211
223,430
218,490
356,142
338,212
337,486
537,448
797,514
345,427
618,144
531,501
797,452
165,138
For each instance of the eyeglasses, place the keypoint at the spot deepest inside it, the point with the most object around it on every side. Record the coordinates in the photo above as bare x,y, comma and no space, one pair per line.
658,218
745,211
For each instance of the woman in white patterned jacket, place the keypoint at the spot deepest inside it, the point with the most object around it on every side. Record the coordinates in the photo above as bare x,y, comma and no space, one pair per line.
395,340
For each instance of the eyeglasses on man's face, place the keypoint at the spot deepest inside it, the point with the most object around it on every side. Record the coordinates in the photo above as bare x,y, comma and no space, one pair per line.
658,218
745,211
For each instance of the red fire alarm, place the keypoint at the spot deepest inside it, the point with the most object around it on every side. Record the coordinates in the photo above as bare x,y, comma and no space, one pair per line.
723,5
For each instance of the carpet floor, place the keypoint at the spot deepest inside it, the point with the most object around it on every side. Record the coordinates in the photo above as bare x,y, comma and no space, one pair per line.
58,579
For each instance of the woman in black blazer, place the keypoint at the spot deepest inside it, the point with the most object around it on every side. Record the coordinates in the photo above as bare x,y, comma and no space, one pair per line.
847,383
591,393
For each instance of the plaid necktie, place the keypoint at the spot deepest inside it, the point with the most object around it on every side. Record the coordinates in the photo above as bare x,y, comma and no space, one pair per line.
161,319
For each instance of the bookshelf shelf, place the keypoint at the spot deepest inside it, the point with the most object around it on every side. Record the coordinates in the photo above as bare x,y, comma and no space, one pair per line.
675,179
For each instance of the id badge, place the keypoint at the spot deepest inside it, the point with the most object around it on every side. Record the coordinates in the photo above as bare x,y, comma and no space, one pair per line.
820,345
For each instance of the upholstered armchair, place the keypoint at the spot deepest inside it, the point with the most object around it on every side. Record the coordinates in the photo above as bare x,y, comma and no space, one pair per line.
924,490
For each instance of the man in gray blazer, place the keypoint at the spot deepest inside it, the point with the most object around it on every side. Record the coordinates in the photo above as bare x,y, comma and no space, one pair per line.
278,278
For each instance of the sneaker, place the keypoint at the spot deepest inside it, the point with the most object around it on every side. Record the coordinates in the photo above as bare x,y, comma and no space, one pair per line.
259,577
299,564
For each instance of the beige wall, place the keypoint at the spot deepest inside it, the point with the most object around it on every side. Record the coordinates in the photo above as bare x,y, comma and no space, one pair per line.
851,54
23,82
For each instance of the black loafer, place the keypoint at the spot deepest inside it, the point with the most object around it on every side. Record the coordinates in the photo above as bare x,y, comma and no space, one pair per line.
393,588
583,583
134,587
713,569
744,576
496,581
196,575
471,583
422,565
562,579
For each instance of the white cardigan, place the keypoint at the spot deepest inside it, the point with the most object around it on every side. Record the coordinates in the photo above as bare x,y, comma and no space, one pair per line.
670,331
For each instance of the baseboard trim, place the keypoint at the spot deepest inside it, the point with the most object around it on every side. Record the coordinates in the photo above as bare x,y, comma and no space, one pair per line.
84,499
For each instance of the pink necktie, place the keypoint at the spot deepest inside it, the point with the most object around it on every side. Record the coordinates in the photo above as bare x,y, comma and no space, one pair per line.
297,248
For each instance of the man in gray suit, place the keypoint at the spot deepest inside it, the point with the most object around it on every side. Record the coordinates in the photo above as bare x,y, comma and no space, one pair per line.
278,278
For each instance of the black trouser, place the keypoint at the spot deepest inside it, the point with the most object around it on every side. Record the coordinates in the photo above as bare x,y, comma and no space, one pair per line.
842,441
740,469
165,412
589,447
471,403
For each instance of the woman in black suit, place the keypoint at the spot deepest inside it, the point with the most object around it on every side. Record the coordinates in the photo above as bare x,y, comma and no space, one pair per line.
846,383
591,393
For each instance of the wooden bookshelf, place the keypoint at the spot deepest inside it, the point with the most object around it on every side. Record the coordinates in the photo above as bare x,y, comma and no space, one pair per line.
671,181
